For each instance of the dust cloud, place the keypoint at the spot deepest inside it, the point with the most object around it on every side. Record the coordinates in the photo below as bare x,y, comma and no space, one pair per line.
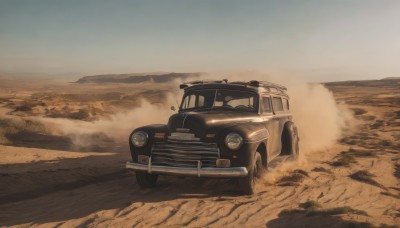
320,120
116,127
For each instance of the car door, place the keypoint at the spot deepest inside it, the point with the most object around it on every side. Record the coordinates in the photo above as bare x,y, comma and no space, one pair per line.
272,125
280,117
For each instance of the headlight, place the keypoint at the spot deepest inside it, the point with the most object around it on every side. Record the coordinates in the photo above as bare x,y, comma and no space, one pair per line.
233,141
139,139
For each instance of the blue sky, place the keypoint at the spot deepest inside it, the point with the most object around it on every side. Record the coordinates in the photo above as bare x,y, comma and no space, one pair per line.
316,40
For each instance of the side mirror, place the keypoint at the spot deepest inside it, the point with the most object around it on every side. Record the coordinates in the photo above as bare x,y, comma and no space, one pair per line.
173,108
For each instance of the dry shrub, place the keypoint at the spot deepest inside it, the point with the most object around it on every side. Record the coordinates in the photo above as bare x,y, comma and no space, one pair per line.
23,108
310,204
397,171
81,114
344,159
360,153
377,124
313,208
293,179
359,111
321,170
366,177
391,194
335,211
12,126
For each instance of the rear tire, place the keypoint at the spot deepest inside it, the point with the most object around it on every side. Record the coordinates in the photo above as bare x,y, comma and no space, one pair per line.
295,152
146,180
247,184
290,141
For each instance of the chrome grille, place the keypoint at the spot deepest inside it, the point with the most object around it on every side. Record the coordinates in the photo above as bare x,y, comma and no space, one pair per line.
184,150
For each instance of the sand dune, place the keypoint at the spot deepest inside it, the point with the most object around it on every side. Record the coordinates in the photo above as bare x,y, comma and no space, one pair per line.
72,188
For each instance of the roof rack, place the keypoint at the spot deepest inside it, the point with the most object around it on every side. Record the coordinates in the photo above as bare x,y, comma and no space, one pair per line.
198,82
253,83
264,84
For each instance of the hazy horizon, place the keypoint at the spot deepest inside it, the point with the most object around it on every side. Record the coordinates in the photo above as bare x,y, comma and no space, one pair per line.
313,40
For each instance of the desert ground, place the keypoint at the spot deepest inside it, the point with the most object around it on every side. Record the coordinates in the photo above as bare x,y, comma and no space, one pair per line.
53,177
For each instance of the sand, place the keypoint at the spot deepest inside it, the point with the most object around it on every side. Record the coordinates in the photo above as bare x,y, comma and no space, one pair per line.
71,188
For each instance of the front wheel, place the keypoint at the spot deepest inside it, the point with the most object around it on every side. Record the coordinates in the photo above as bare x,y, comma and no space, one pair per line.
146,180
247,184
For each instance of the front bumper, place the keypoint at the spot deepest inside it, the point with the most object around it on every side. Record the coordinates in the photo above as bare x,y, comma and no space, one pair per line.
185,171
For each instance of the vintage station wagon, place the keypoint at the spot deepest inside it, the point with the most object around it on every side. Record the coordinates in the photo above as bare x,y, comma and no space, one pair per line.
222,129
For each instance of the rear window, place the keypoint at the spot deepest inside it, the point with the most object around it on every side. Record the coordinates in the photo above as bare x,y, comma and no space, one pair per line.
285,104
277,104
266,102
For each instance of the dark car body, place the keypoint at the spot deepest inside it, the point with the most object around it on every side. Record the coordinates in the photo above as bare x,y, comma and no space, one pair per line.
193,142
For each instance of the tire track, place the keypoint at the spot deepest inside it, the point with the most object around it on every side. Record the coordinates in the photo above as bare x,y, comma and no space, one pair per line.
20,196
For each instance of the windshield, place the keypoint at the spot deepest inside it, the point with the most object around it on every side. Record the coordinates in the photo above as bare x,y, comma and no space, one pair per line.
220,99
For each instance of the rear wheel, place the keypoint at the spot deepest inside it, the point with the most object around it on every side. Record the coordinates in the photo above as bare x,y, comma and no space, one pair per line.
290,141
146,180
247,184
295,151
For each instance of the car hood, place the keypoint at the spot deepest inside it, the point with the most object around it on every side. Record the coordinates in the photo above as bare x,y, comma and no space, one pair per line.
200,122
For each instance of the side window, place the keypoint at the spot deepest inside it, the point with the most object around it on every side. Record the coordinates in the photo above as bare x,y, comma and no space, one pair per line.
192,101
285,104
185,102
201,101
277,104
244,101
266,103
189,102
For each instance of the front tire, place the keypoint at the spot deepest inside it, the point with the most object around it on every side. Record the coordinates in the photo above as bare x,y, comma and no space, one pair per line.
146,180
247,184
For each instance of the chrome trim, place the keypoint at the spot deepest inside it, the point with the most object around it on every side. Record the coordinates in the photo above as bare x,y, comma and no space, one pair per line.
241,140
181,136
199,172
184,119
183,130
215,97
282,114
146,136
250,119
149,165
254,141
198,168
184,153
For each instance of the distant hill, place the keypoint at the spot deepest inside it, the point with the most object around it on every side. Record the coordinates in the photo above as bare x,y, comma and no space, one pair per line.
389,82
138,78
391,78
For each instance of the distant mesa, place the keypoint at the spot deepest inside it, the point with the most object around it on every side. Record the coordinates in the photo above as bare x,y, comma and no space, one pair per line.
391,78
387,82
138,78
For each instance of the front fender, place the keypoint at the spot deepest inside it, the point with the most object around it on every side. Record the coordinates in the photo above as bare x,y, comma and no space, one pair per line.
253,135
150,130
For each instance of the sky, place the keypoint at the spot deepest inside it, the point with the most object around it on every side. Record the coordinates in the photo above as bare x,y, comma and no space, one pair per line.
312,39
